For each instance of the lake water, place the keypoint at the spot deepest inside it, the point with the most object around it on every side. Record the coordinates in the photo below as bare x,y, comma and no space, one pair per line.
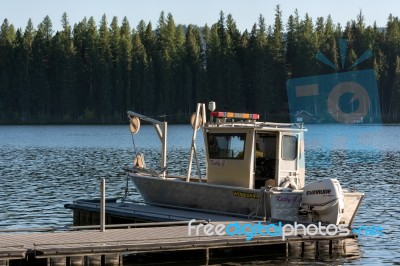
44,167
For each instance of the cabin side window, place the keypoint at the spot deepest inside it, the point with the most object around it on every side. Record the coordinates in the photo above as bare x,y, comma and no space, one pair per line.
226,146
289,147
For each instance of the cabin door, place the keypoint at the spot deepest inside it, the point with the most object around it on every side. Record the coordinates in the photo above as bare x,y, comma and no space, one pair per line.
288,159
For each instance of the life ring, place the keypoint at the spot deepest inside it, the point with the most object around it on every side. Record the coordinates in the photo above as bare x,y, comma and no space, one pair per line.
134,124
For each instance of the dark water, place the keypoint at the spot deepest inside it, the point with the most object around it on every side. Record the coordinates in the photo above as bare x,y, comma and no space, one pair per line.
44,167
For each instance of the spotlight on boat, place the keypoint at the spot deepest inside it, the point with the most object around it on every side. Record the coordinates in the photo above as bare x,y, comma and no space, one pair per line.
212,106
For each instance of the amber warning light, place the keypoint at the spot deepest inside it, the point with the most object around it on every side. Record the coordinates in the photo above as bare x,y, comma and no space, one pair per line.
235,115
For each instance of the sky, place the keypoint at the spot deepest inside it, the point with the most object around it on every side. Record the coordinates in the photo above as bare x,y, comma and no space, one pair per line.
199,12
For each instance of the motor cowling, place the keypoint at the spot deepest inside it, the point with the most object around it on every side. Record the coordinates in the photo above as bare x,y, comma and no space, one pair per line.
323,201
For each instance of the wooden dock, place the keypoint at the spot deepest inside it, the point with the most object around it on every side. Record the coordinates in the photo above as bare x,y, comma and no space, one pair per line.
93,247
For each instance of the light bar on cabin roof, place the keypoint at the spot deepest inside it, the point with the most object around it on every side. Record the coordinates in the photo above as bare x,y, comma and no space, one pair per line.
235,115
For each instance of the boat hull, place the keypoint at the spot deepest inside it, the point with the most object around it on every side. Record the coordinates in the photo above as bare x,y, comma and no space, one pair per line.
195,195
234,201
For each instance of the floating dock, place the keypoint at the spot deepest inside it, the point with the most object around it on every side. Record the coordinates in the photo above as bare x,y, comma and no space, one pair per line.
154,230
87,212
95,247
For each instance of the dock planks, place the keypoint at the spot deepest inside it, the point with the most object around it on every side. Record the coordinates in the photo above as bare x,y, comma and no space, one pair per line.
129,241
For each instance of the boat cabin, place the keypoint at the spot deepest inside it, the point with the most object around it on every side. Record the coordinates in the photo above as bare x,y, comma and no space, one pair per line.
245,153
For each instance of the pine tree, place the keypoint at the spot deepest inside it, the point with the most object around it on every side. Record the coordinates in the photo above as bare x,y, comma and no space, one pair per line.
62,74
41,94
292,43
214,67
261,63
25,100
104,105
117,90
164,64
277,44
125,64
192,88
233,69
144,73
7,93
142,93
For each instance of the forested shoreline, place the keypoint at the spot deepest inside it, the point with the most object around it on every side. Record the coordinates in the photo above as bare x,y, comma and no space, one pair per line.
93,72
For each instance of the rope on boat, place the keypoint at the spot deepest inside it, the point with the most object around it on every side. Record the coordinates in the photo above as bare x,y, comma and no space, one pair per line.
139,157
126,189
134,146
126,194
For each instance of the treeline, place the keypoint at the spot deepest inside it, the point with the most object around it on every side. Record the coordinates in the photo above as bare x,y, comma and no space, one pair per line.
93,73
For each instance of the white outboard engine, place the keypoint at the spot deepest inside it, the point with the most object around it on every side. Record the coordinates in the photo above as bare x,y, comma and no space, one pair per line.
323,201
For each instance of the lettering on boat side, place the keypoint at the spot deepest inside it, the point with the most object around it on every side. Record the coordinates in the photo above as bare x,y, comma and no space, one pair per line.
319,191
245,194
217,163
288,199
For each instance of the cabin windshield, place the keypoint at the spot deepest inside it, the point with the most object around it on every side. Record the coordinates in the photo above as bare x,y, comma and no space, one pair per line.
226,146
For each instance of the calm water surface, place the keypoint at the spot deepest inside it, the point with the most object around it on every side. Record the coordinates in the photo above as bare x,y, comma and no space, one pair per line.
44,167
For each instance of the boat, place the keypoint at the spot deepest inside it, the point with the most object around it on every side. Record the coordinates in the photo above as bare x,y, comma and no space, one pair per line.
254,169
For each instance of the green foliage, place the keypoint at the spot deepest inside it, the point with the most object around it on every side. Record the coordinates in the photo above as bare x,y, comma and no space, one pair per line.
93,73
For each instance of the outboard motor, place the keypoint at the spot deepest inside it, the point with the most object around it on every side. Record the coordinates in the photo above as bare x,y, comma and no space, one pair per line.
323,201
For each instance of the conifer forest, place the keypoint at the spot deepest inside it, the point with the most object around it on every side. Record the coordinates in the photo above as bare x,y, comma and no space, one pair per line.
94,71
